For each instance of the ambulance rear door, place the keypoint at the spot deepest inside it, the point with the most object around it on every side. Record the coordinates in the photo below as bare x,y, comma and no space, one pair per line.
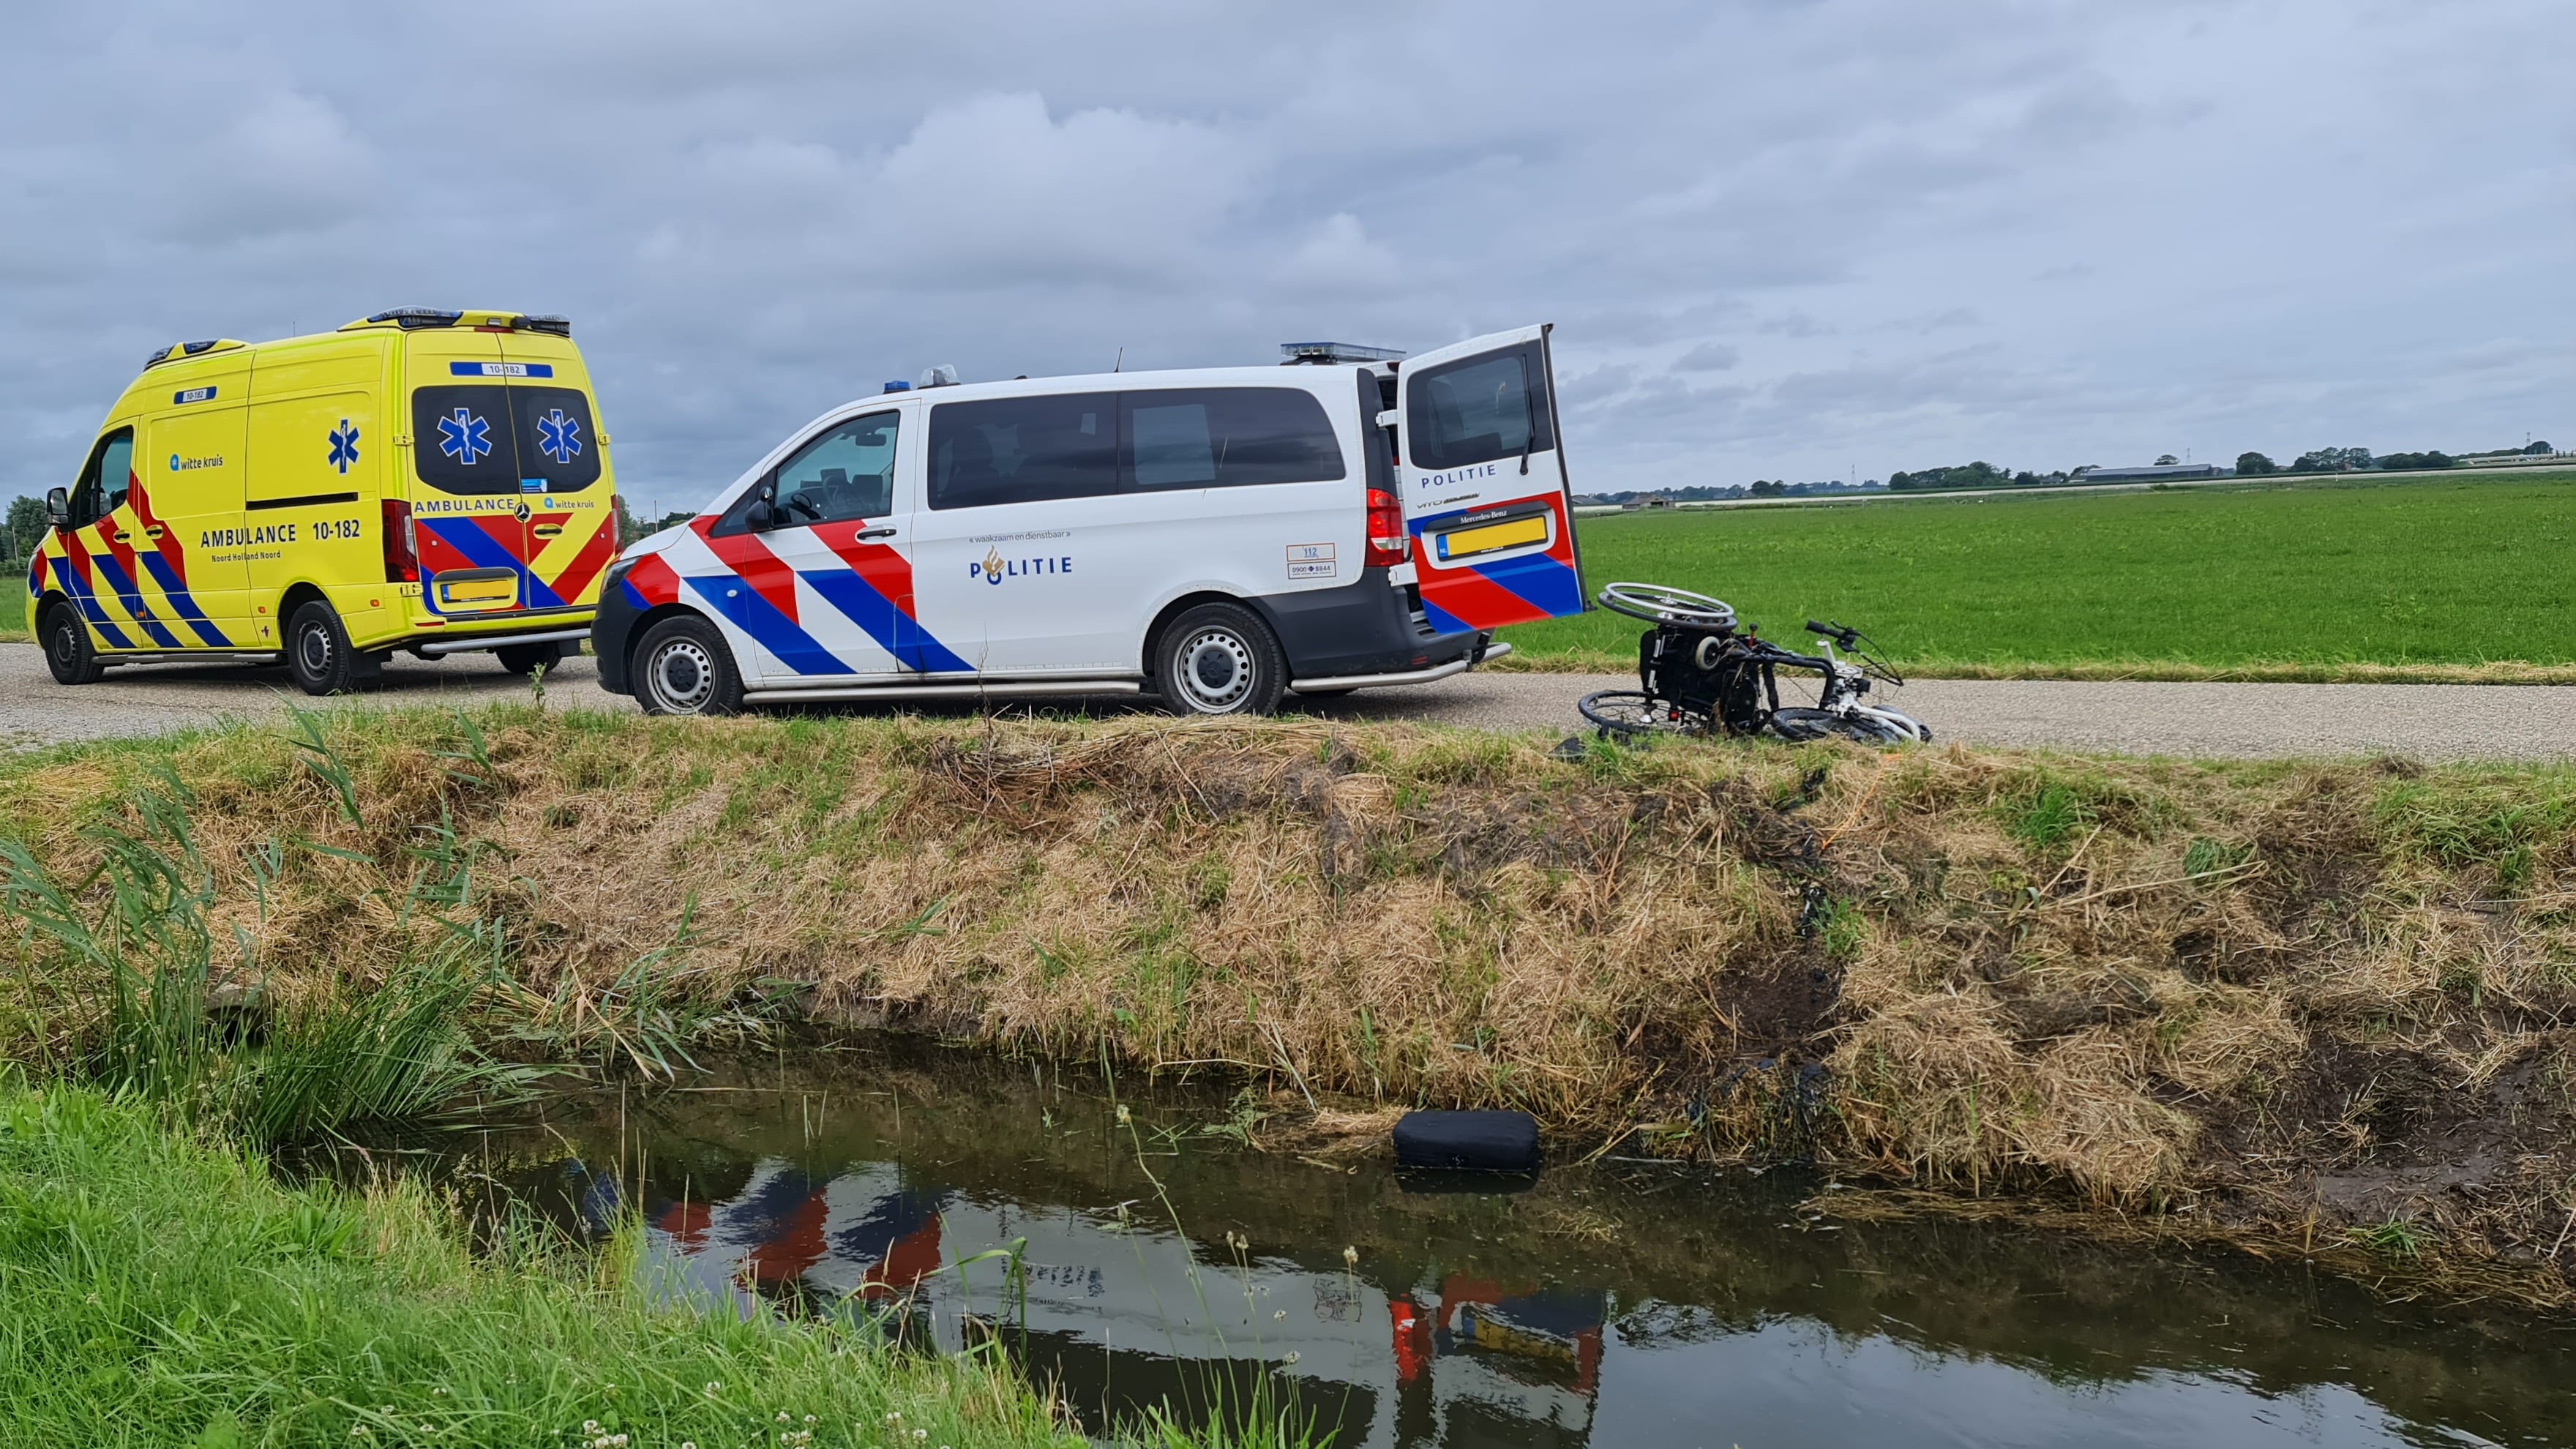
468,494
1486,496
563,471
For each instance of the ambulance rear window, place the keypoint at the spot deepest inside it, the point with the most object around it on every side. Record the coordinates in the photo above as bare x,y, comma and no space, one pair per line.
491,438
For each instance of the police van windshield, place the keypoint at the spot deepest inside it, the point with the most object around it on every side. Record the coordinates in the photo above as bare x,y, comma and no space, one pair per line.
497,438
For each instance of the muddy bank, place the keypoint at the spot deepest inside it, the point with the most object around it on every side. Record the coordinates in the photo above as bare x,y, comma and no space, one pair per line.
2309,1003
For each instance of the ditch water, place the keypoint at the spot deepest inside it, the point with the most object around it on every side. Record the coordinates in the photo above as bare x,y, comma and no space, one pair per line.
1613,1304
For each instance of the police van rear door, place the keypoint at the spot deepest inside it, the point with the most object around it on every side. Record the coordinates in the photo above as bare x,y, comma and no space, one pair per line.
1486,496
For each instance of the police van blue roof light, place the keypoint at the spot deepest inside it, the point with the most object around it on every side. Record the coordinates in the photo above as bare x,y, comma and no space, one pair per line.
898,385
1293,353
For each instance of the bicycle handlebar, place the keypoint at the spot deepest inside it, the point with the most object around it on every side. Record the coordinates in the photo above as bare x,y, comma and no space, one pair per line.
1841,634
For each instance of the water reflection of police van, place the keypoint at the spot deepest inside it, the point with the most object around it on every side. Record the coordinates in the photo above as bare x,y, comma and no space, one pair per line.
1114,1306
421,480
1215,537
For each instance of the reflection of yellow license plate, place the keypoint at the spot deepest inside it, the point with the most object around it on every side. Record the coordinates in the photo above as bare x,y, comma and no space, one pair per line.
1492,536
480,593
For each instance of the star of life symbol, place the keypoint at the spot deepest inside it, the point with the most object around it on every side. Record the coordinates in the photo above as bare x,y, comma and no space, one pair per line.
344,446
559,437
464,437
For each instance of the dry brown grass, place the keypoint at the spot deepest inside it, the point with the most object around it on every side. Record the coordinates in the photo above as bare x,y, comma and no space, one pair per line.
2292,998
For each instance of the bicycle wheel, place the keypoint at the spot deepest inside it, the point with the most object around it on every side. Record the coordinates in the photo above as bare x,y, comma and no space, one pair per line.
1656,604
1632,712
1868,727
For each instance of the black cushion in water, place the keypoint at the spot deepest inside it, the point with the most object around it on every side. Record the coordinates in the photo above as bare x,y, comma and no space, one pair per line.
1468,1141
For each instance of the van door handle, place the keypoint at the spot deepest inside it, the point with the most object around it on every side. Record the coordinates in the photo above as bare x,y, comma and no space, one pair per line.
872,533
549,530
122,535
155,531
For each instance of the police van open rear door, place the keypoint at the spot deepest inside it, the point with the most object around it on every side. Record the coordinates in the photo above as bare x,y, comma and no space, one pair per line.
1485,490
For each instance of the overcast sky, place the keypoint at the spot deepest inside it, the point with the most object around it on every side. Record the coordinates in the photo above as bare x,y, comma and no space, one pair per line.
1778,239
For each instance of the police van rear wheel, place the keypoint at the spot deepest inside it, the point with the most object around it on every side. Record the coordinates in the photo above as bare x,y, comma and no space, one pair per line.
68,651
318,652
1220,659
683,667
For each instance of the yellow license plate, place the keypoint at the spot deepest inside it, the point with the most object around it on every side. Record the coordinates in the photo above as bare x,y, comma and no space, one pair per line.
480,593
1492,536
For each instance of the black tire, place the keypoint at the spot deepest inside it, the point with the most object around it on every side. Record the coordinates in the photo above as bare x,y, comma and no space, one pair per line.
1219,659
683,667
318,652
523,659
68,650
1632,713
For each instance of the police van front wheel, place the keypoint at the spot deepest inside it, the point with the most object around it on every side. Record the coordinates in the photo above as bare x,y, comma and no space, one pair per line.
1220,659
683,667
68,651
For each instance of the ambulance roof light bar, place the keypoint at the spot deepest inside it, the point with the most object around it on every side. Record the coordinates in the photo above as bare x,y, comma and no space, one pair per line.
1293,353
408,318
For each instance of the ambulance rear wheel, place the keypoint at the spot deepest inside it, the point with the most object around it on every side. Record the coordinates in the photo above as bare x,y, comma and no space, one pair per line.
68,652
683,667
524,659
1220,659
318,652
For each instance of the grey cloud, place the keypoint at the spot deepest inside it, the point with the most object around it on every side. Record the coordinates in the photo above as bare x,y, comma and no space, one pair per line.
1923,231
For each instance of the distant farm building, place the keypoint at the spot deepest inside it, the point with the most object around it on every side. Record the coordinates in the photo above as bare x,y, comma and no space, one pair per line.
2149,473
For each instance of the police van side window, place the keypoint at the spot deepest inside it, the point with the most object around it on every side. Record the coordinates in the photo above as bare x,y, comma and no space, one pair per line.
462,440
103,483
1023,449
845,475
1227,437
1477,410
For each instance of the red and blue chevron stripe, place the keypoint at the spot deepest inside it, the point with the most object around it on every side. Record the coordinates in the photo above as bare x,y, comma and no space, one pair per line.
874,592
1517,590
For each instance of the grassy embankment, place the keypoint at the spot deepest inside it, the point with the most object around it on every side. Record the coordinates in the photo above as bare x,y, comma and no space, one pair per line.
2468,579
2296,1002
162,1290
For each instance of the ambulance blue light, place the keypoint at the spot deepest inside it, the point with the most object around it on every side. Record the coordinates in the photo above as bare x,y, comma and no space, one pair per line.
898,386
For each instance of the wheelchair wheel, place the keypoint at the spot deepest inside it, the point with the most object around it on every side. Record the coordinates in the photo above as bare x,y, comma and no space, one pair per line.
1864,726
1633,712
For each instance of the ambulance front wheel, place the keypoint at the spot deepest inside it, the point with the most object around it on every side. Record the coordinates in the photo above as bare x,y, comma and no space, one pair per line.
683,667
68,652
318,652
1220,659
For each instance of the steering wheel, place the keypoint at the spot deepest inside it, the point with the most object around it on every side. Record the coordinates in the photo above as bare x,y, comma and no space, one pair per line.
1659,605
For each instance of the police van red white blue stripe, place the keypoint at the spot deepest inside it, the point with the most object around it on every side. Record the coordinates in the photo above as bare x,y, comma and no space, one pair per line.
1217,537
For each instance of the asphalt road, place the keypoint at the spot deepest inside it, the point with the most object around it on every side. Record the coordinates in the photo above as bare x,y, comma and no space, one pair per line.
2428,721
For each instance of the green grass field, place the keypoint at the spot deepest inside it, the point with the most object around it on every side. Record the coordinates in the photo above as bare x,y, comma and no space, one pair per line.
2320,579
2326,579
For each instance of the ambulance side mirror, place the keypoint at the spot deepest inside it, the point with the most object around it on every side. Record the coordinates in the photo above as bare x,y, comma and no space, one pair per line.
58,507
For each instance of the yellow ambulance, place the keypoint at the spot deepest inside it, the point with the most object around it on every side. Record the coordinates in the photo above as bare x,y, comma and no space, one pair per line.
422,480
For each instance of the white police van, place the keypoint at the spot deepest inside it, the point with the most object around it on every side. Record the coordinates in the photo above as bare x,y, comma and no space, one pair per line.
1216,537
